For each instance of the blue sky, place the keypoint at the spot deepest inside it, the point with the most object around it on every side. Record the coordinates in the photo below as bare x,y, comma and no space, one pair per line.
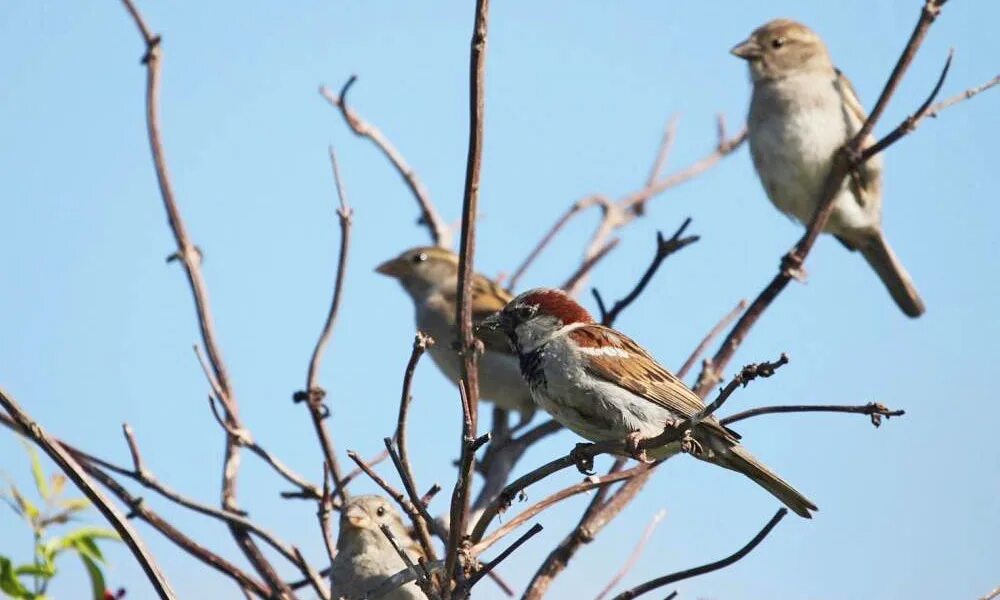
95,329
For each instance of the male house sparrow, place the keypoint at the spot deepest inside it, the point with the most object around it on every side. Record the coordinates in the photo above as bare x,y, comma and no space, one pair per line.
365,558
430,276
604,386
803,110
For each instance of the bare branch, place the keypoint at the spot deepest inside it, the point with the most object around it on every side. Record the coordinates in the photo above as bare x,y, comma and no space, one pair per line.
488,567
416,512
429,217
990,595
575,281
421,342
633,557
469,348
76,473
313,394
422,575
664,248
190,258
602,482
873,409
711,335
708,568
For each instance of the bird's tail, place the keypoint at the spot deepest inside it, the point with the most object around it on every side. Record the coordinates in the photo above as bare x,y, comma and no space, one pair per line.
739,459
880,256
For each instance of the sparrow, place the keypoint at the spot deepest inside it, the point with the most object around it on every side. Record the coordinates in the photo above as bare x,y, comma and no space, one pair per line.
430,276
603,386
365,558
802,111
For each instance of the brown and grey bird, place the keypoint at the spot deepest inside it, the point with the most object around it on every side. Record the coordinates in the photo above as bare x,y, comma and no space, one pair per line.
802,111
365,557
605,387
430,276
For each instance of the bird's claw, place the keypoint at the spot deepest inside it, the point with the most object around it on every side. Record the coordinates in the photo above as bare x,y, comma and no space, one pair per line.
690,445
633,448
580,454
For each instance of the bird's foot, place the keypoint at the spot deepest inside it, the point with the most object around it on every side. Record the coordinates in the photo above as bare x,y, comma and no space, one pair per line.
580,454
690,445
634,449
791,265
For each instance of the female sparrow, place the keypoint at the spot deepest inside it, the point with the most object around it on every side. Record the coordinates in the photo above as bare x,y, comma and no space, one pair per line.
430,276
365,558
803,110
602,385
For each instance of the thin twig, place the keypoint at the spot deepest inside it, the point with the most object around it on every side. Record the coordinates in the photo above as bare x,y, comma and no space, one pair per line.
873,409
572,284
593,521
603,482
990,595
619,213
468,349
429,217
664,248
425,520
422,579
708,568
417,513
76,473
190,258
488,567
633,557
239,519
421,342
711,335
313,393
323,510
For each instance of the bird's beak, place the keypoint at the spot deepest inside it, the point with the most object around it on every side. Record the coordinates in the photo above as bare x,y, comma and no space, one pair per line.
493,322
391,268
355,516
748,49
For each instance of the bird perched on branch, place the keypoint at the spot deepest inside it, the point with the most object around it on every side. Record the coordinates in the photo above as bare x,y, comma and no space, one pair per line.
803,110
365,557
430,276
605,387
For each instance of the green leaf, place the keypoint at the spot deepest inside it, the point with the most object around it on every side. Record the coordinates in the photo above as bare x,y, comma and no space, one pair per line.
26,508
86,546
97,584
97,533
58,484
37,472
45,571
9,583
75,504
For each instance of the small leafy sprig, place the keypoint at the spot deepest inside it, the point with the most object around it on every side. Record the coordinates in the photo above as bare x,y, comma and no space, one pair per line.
53,510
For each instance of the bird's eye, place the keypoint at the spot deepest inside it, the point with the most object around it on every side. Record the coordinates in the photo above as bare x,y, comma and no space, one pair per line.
777,42
419,258
525,312
380,511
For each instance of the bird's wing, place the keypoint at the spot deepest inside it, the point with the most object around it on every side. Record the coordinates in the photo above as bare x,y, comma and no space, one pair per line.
616,358
866,180
488,298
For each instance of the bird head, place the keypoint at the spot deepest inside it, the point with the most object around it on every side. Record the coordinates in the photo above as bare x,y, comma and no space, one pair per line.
781,48
423,270
532,318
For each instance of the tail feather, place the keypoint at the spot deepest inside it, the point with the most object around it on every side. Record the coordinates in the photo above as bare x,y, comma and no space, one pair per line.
880,256
739,459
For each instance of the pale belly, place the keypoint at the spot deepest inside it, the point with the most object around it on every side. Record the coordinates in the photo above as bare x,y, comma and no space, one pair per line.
792,148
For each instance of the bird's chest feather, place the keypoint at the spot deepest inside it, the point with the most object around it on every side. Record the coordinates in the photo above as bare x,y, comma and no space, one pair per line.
595,409
796,125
